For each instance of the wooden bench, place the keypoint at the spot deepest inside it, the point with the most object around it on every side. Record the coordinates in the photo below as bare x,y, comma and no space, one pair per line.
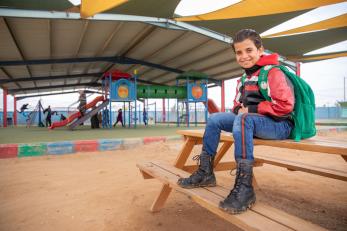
322,145
261,216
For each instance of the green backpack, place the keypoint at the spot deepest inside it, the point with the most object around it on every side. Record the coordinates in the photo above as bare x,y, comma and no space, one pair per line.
303,114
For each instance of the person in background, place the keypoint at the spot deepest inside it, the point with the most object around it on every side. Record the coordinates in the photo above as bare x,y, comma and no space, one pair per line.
100,119
62,117
119,118
145,117
23,108
83,101
94,121
48,116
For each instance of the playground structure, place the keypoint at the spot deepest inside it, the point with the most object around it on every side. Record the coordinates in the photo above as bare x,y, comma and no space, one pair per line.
191,88
31,116
117,86
76,115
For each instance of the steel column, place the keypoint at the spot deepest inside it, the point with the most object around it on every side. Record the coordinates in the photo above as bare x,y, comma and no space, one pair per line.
14,110
223,96
4,116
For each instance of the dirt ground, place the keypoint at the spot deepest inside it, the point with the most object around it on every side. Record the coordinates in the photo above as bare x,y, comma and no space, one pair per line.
105,191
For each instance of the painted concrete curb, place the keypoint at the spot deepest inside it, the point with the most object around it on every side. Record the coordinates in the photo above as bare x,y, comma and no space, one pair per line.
8,150
70,147
131,143
110,144
34,149
335,129
57,148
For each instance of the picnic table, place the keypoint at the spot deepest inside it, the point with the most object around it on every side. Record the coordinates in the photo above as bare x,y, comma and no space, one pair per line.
261,216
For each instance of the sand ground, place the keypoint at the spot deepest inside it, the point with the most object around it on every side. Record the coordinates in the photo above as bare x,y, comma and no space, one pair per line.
105,191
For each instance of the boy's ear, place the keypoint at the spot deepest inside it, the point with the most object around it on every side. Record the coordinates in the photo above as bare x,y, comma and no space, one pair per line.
261,49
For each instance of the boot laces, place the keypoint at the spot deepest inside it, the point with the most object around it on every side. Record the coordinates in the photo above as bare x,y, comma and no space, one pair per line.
237,184
198,171
197,159
232,172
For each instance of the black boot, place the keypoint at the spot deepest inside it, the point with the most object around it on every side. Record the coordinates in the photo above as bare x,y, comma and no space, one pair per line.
242,196
203,177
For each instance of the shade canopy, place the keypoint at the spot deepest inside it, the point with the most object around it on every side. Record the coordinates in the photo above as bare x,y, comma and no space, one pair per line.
46,46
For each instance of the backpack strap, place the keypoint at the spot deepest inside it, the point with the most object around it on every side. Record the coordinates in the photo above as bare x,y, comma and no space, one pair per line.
263,81
243,79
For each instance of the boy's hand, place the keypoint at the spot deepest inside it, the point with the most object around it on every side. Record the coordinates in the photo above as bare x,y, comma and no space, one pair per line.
243,109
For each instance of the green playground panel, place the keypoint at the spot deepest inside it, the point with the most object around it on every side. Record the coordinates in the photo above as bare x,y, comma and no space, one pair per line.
160,92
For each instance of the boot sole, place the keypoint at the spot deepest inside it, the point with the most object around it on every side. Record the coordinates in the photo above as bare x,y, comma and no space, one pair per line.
234,212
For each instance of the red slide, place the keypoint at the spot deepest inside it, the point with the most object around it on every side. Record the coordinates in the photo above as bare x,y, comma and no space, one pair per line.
77,114
212,106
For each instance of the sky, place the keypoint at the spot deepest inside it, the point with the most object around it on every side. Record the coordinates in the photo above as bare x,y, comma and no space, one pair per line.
325,77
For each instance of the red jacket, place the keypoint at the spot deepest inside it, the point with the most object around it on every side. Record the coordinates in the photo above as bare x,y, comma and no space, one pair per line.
280,90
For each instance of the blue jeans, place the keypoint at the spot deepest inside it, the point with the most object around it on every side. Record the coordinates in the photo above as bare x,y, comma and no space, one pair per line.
243,127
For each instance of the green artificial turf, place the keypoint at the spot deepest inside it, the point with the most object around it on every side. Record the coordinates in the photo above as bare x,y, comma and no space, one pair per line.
37,134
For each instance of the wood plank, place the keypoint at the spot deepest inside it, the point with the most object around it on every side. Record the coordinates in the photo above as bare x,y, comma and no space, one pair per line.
224,166
315,144
246,221
145,175
261,217
275,214
293,165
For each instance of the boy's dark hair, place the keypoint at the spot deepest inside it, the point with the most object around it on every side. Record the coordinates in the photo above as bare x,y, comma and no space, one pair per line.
247,34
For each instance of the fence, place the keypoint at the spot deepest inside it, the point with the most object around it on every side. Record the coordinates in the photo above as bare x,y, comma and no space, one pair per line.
171,116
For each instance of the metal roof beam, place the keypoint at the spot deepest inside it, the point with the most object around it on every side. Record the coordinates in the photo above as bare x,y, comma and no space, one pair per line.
148,82
16,43
210,80
59,61
113,59
138,39
78,48
116,17
181,55
10,78
215,54
56,93
14,91
25,79
172,43
105,45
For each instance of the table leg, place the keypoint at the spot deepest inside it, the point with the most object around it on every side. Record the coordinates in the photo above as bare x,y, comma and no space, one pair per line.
221,152
179,163
159,202
185,152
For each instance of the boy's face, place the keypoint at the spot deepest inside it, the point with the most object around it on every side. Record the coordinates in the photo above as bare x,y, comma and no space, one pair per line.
247,54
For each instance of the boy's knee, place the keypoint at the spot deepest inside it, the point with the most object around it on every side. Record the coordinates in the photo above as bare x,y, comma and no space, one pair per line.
214,119
247,121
